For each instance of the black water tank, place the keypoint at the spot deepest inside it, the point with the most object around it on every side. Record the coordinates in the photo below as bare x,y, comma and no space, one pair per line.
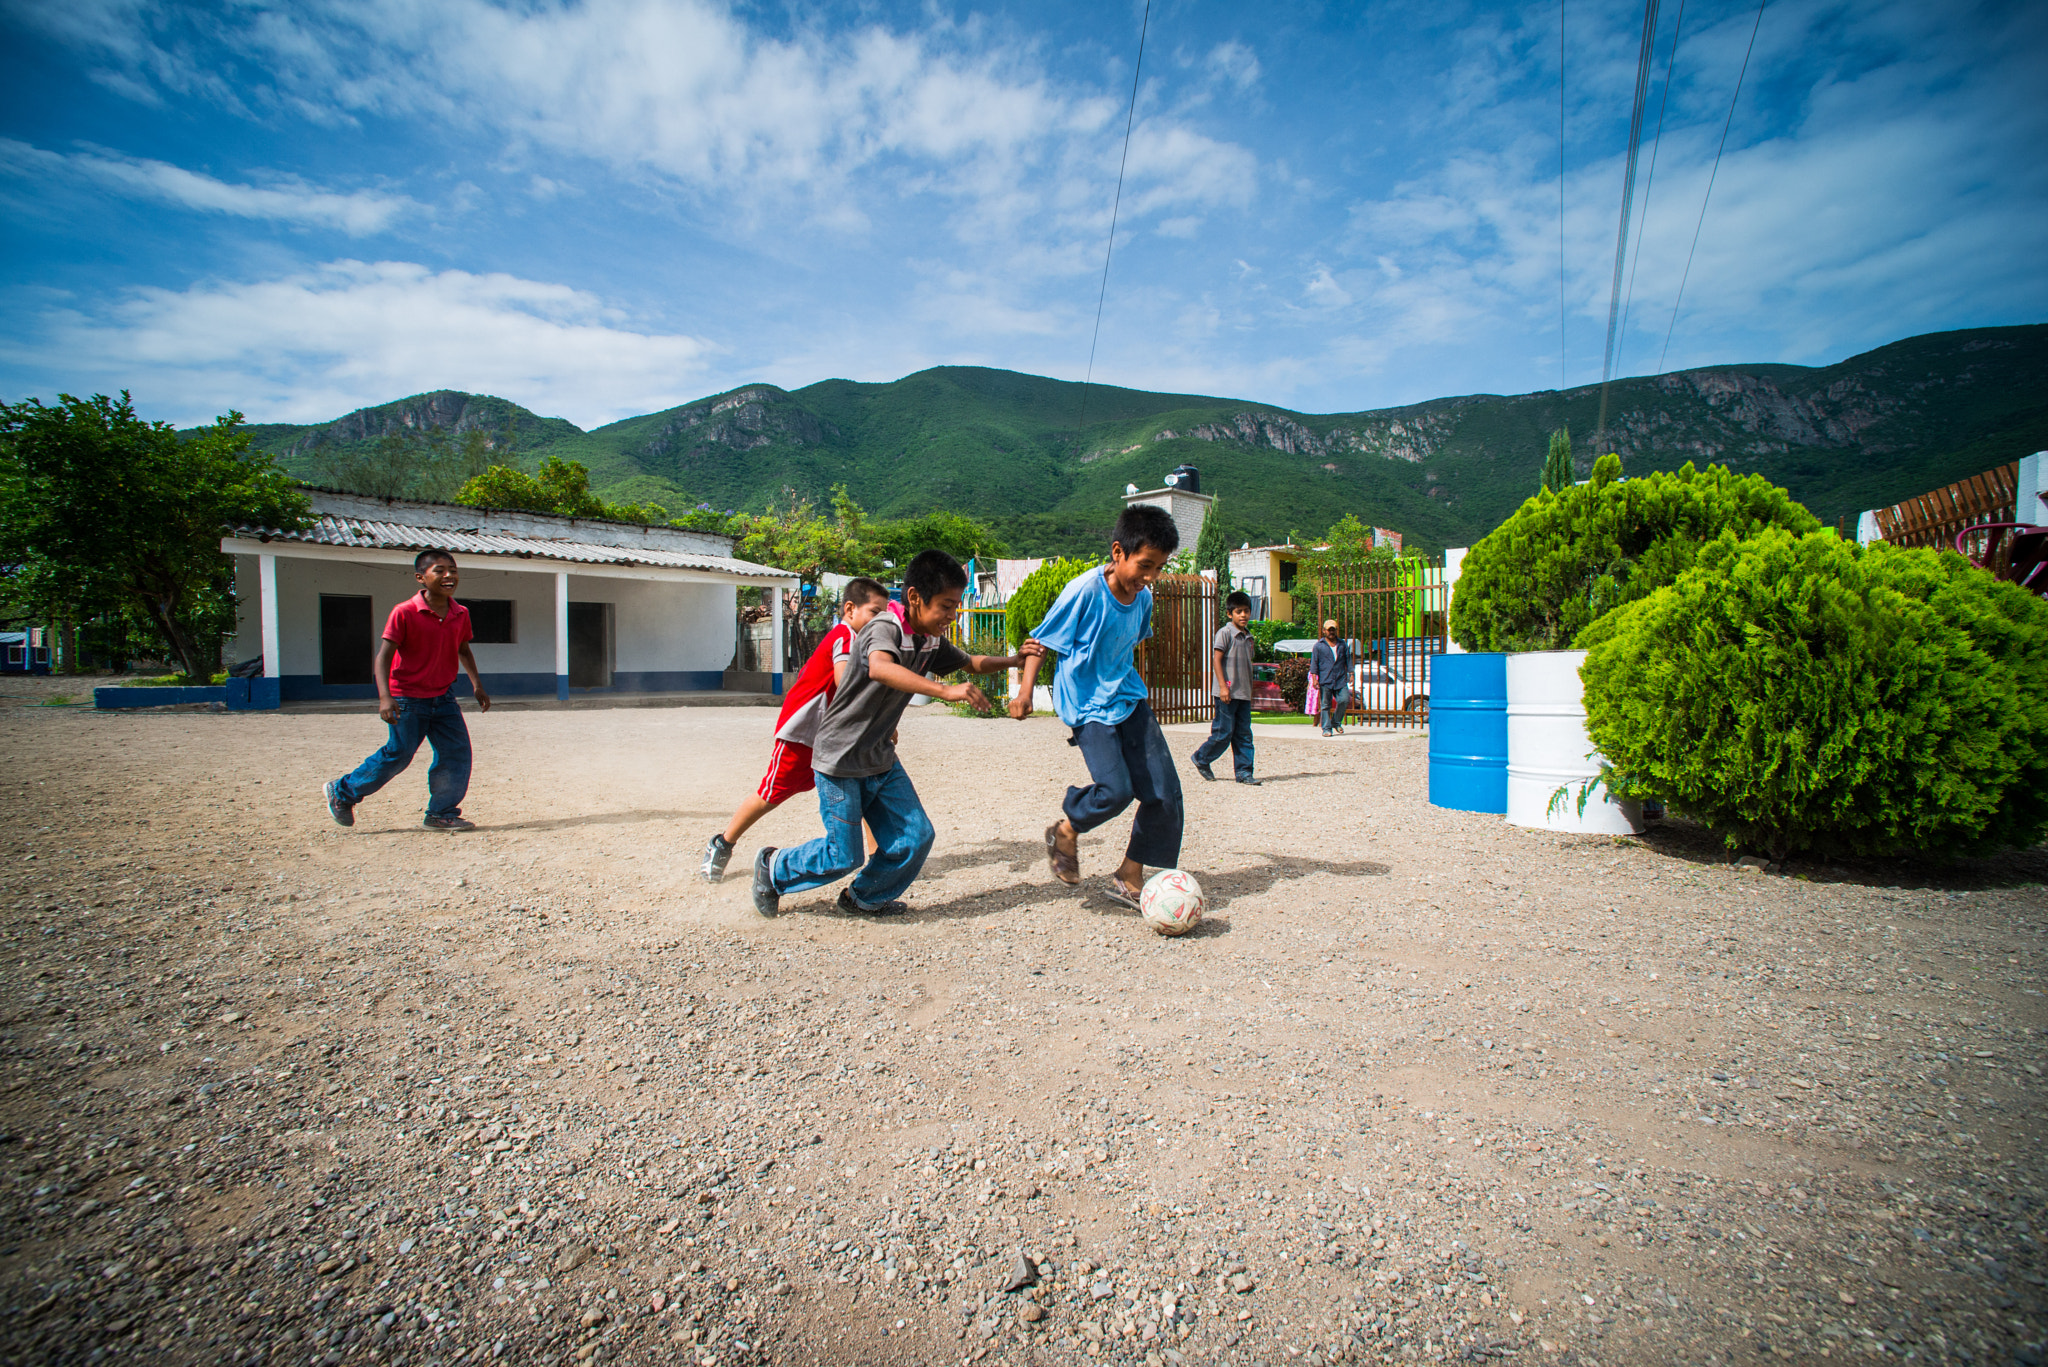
1185,478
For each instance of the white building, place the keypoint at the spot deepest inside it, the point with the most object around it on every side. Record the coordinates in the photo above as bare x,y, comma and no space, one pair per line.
559,605
1183,503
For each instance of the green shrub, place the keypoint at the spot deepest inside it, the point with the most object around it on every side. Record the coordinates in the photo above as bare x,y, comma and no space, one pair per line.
1565,558
1291,673
1035,596
1264,633
1800,693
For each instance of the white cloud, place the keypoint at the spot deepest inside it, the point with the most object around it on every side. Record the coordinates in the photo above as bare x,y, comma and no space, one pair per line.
1235,63
309,346
287,201
1323,291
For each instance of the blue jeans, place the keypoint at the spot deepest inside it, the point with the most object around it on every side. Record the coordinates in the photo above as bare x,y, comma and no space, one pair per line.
1233,729
1333,706
903,837
1130,760
437,721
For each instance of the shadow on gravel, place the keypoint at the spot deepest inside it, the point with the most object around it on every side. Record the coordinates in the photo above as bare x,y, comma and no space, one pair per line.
1020,856
1291,778
1223,888
1687,841
566,823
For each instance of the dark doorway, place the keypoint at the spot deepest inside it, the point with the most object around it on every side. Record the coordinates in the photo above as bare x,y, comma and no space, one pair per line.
590,645
346,640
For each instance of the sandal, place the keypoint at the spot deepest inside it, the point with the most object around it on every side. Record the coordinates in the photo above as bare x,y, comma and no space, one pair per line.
1065,867
1117,892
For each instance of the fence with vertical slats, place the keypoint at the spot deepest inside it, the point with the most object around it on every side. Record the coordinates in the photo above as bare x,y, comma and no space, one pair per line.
1936,518
1394,613
1175,663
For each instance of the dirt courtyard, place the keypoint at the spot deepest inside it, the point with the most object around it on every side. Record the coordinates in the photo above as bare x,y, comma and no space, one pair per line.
1423,1087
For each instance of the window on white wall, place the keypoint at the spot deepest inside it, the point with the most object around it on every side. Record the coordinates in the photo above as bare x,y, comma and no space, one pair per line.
491,620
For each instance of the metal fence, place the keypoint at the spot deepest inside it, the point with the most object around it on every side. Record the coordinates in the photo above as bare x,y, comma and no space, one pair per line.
1394,614
1175,663
1938,517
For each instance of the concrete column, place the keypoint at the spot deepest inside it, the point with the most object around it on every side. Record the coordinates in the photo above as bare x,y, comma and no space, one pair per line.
266,580
562,635
775,644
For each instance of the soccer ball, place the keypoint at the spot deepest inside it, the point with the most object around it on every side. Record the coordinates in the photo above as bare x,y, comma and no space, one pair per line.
1172,902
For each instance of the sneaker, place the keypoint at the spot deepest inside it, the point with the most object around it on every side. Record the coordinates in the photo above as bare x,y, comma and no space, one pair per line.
1251,782
767,900
1205,771
449,823
853,906
715,855
344,813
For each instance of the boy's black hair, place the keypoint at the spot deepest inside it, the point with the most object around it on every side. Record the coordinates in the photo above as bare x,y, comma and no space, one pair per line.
1238,599
931,573
1144,524
426,558
860,590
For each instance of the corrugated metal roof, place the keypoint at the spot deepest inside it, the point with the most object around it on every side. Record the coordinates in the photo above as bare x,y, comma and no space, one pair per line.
394,536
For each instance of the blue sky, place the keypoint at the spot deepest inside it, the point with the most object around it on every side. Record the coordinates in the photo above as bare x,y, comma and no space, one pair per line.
606,208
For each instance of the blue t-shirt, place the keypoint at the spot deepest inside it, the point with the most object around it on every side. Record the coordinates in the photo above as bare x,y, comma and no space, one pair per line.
1096,637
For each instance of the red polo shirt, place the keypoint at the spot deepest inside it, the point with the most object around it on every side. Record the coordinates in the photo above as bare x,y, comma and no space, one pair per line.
429,647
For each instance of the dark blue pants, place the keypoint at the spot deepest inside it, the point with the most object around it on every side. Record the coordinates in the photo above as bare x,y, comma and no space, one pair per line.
1333,707
1232,729
437,721
1130,760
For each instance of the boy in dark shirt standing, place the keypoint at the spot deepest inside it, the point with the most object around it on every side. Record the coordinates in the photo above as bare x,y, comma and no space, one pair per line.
1233,724
854,751
425,638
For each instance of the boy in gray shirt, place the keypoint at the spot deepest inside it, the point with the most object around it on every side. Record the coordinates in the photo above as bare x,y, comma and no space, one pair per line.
854,751
1232,727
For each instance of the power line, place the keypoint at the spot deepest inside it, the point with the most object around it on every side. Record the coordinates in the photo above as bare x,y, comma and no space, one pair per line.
1650,184
1563,363
1645,59
1129,120
1710,181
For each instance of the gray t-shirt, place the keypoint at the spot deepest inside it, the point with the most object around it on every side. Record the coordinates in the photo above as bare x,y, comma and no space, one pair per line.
853,736
1237,662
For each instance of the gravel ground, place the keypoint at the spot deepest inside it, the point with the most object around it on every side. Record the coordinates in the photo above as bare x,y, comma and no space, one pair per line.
1422,1087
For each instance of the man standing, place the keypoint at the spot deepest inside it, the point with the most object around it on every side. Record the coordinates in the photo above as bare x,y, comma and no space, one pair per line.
1330,662
1232,728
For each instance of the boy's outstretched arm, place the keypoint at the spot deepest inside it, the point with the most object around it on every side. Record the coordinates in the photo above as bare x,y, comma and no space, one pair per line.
1034,656
884,669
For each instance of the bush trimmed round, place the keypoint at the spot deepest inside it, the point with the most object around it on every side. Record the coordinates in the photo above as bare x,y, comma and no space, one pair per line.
1798,693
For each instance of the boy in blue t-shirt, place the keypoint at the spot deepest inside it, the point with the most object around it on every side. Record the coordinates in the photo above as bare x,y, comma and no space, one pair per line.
1095,626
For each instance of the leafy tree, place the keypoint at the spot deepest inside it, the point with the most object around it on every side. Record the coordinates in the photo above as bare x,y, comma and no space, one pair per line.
560,487
957,535
1346,550
797,537
1797,692
100,509
1035,596
1212,552
409,464
1557,466
1565,558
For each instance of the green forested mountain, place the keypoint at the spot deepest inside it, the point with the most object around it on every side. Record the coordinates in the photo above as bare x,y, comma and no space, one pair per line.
1048,464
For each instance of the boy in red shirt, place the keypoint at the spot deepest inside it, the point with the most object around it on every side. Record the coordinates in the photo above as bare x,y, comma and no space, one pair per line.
789,763
425,638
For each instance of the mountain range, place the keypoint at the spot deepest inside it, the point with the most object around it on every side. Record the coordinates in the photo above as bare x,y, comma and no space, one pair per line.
1047,461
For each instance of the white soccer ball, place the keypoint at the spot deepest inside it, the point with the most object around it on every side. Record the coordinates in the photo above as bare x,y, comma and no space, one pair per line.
1172,902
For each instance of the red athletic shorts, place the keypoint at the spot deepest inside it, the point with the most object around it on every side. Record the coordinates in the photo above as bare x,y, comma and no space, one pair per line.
789,773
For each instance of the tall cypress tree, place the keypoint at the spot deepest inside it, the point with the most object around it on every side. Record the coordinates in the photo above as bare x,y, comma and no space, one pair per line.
1557,466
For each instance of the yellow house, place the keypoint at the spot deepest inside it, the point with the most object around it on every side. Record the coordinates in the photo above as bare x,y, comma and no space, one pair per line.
1267,574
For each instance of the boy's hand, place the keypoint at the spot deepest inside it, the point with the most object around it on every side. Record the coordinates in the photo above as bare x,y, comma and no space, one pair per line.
387,708
1020,707
1031,649
483,699
969,694
1223,692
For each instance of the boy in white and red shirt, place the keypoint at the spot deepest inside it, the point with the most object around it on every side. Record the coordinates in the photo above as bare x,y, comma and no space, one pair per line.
789,762
425,639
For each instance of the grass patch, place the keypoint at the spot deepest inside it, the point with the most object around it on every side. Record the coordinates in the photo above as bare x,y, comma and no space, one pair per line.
171,681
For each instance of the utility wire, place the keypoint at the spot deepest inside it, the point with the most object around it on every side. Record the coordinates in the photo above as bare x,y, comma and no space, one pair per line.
1710,181
1563,364
1650,184
1130,119
1644,61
